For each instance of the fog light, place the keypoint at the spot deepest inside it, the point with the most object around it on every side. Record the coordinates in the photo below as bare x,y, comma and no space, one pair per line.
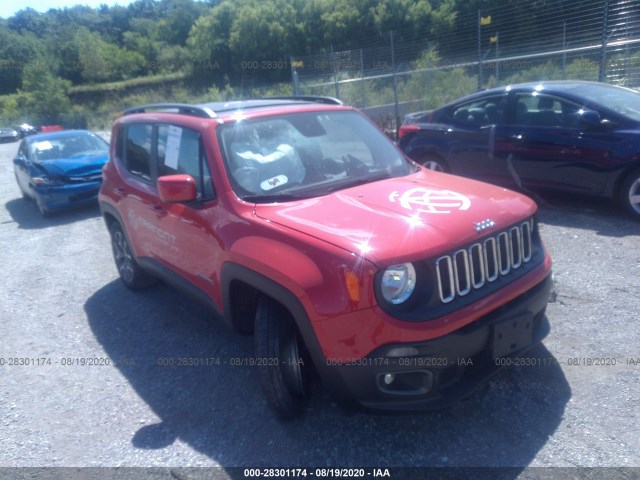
403,352
418,382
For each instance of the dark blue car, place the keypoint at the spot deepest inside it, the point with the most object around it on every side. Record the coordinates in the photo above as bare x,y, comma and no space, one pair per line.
61,169
574,136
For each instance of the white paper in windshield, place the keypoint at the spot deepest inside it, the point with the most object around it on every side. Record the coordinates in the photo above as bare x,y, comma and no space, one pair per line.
46,145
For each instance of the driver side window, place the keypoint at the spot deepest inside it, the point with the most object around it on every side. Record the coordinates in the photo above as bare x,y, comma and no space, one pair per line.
179,150
540,110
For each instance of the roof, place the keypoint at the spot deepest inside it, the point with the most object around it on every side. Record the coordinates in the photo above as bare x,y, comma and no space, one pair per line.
213,109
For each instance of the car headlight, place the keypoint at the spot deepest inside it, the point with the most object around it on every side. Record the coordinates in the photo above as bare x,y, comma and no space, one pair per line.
44,180
398,283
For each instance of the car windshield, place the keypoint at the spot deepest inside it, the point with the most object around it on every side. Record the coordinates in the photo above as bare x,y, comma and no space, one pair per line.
306,155
69,146
621,100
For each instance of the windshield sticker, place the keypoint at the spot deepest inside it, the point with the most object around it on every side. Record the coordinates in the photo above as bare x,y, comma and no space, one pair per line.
172,151
425,200
46,145
274,182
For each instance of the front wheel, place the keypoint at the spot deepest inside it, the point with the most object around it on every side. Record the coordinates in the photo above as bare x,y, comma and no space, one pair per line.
433,163
42,208
131,274
24,194
283,363
630,194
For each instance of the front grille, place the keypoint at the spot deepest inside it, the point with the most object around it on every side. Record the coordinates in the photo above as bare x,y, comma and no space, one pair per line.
481,263
85,179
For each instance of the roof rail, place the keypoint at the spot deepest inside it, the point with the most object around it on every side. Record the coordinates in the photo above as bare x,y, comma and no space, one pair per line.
198,111
309,98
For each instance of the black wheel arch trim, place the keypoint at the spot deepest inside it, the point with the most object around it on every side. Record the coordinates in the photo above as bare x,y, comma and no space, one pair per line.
231,272
107,209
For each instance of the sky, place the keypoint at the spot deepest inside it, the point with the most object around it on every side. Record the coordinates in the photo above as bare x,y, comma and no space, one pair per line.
9,7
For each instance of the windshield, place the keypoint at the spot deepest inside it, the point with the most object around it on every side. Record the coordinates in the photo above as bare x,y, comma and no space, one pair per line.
621,100
69,146
306,155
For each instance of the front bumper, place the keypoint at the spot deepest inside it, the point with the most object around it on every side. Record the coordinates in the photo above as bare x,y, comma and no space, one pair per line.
436,373
57,197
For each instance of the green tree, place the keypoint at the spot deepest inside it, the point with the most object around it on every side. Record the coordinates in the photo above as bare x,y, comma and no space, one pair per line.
100,61
209,42
16,50
46,96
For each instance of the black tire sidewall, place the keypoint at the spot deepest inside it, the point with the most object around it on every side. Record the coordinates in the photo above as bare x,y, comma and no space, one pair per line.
273,329
141,279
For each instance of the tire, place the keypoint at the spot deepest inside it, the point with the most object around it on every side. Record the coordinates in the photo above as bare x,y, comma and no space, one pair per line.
283,363
434,163
42,208
131,274
24,194
630,194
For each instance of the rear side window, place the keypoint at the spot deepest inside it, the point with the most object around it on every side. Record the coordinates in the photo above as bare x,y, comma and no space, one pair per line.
138,150
480,112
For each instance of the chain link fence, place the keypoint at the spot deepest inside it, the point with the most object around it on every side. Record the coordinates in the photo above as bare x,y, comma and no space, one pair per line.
552,40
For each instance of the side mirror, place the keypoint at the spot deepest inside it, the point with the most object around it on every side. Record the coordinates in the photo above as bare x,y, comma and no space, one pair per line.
589,118
179,188
19,160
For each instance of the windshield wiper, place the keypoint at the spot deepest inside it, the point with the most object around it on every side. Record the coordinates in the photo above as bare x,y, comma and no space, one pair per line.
274,197
358,181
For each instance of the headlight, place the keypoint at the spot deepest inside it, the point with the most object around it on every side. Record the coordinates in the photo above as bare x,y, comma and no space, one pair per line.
44,180
398,283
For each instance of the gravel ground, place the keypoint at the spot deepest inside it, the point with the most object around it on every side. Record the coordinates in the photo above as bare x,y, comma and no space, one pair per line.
61,301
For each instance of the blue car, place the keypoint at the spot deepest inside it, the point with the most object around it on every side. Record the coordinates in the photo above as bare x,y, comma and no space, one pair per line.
573,136
61,169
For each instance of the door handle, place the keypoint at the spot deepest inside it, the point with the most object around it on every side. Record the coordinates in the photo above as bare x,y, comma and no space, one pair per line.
158,208
119,191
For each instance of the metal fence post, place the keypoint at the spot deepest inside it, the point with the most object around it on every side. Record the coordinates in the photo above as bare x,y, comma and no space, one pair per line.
294,77
480,79
497,58
602,73
395,88
564,50
335,77
363,90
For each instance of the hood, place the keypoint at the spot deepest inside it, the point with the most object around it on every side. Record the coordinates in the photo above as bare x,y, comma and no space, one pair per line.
80,165
402,219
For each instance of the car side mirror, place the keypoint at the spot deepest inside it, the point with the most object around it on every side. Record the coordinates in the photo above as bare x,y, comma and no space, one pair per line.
179,188
589,118
19,160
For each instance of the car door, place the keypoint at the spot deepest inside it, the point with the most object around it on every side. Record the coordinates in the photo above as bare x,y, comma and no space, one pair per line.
550,147
476,138
193,251
138,195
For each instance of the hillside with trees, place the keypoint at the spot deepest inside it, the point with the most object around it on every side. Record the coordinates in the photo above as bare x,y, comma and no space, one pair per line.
69,65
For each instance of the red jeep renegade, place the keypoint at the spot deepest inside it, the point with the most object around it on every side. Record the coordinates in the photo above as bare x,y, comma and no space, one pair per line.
298,221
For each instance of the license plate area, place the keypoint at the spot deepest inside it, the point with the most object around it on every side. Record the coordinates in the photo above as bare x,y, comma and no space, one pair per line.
512,335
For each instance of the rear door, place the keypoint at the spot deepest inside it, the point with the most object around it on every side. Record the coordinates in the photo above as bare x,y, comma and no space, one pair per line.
136,190
478,127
